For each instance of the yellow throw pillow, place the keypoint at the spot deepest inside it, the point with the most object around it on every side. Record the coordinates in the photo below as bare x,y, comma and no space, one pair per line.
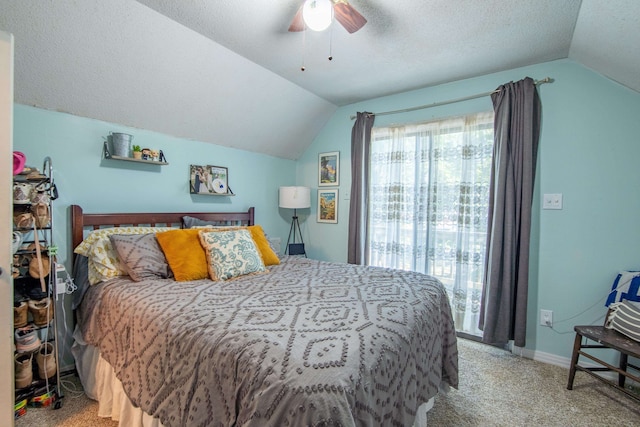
269,257
184,253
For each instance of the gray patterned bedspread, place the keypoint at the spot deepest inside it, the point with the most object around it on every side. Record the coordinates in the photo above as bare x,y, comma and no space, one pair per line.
309,343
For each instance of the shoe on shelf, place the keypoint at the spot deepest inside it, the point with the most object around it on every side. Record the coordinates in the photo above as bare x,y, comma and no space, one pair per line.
41,214
46,361
27,339
24,371
41,311
20,314
34,292
20,285
18,237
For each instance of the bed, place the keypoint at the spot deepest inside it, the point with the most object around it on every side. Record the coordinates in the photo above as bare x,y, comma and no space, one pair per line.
304,342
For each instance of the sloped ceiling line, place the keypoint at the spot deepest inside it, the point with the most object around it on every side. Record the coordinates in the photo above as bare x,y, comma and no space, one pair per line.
228,73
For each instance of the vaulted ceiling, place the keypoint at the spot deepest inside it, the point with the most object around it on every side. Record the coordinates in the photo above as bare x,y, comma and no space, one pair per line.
229,72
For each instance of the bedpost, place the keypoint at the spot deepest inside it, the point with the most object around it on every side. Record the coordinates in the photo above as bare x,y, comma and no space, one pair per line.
252,220
77,226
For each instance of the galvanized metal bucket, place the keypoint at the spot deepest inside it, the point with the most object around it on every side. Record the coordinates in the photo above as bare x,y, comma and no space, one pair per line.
120,143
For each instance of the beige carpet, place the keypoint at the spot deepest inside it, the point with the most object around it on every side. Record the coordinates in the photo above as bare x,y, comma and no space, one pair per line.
77,410
500,389
496,389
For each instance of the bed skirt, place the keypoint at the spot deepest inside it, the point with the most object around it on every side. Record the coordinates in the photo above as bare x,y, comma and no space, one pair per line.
101,384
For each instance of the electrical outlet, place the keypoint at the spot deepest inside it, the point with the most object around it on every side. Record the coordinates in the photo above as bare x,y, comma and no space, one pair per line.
61,279
552,201
64,282
546,318
61,286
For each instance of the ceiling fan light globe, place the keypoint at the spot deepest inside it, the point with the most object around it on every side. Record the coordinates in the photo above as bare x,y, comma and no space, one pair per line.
317,14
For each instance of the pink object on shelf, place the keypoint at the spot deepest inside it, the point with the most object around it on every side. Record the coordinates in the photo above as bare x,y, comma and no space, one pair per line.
19,160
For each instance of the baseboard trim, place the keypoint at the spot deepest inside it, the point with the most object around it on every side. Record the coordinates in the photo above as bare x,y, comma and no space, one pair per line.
552,359
563,362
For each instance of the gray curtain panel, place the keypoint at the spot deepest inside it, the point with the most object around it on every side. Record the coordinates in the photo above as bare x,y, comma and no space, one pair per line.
360,148
503,314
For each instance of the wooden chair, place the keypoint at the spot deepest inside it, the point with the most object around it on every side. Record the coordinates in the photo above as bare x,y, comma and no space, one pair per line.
606,338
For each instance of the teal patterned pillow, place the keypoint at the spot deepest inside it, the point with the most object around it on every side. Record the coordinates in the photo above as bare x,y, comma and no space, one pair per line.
230,253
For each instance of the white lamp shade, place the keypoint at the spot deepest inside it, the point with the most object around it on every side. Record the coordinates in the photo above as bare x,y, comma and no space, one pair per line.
317,14
295,197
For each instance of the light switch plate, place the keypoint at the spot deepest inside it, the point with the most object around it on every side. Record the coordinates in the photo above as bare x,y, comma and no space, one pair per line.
552,201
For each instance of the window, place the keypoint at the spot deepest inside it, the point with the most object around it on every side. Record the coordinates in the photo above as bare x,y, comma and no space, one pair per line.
428,204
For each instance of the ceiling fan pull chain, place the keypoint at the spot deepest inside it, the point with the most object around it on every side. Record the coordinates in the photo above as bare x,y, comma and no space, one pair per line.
331,42
304,48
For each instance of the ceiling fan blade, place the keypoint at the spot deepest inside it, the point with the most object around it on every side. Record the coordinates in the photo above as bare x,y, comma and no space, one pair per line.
297,24
346,15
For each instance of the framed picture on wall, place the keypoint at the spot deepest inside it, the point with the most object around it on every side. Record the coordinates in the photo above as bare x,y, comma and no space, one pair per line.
329,169
208,180
328,206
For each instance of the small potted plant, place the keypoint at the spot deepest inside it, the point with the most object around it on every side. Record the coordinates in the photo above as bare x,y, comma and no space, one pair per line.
137,152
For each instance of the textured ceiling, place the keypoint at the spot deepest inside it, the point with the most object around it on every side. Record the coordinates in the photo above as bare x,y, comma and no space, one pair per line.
607,39
228,72
121,62
406,44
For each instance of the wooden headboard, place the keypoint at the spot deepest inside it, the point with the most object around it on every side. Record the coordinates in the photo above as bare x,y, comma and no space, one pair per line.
81,221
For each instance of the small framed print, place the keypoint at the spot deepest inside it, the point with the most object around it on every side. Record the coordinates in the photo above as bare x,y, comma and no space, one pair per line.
329,169
208,180
328,206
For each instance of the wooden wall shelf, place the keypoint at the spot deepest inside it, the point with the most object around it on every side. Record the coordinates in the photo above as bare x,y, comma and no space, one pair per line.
212,194
107,155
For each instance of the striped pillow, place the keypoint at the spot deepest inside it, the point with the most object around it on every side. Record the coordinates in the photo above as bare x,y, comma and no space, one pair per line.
141,255
625,318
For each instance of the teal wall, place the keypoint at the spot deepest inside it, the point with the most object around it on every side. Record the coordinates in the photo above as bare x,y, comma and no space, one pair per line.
589,151
83,177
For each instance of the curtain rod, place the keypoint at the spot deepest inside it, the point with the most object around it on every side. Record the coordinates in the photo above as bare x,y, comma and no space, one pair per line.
451,101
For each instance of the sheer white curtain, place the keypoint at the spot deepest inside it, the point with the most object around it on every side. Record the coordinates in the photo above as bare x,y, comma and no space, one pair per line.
428,204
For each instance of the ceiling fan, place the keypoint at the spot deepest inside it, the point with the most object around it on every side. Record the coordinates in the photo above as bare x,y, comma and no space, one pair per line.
343,12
